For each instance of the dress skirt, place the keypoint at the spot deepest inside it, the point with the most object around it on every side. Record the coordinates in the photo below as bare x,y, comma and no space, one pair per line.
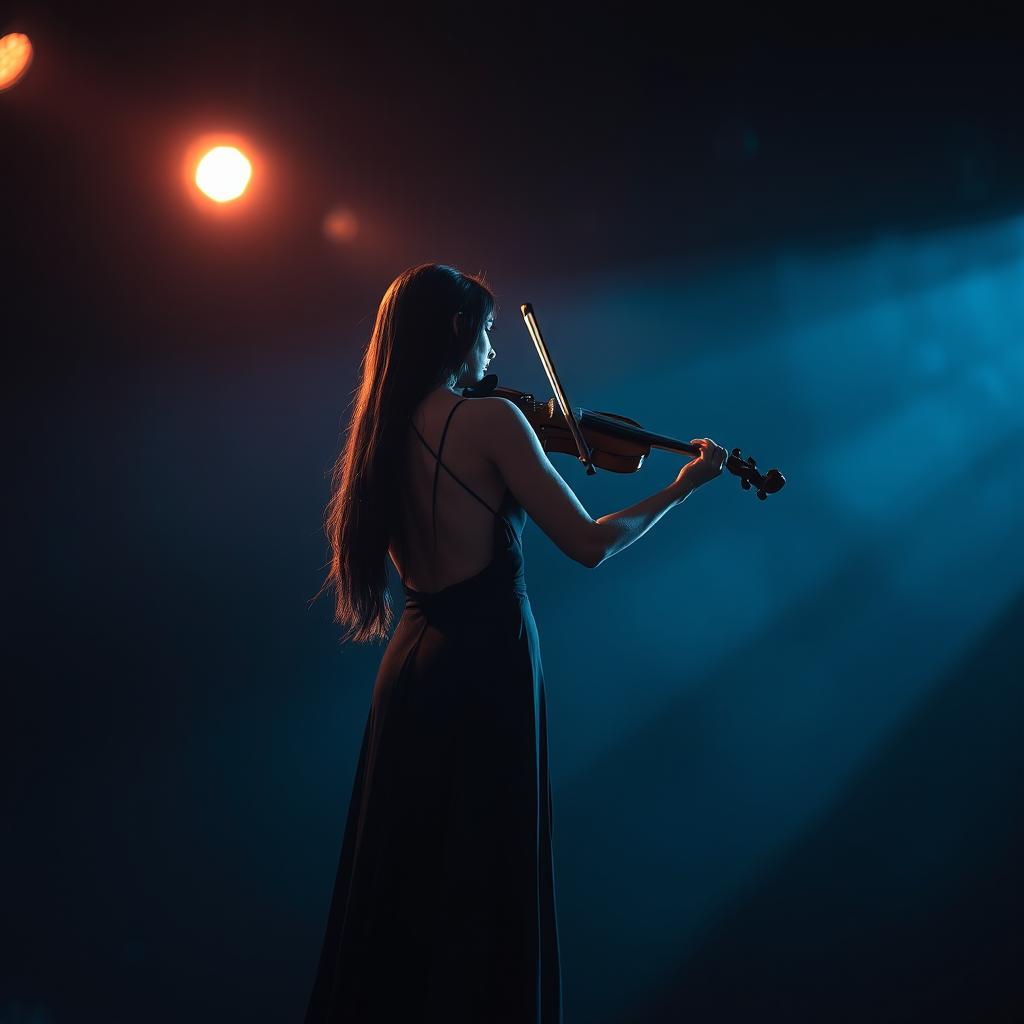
443,907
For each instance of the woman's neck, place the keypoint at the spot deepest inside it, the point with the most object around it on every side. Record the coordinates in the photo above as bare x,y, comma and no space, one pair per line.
444,391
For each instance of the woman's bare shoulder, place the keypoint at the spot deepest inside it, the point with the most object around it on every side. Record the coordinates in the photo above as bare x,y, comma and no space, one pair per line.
509,440
497,410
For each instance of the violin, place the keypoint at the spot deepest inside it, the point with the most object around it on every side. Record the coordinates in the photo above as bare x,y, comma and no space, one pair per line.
604,439
616,442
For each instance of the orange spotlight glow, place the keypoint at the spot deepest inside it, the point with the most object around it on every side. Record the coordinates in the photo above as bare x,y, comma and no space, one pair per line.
223,173
340,224
15,57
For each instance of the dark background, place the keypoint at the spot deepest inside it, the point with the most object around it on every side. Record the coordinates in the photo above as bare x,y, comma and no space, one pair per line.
785,737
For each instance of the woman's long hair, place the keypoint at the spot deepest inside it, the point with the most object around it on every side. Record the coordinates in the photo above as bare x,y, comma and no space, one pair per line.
412,350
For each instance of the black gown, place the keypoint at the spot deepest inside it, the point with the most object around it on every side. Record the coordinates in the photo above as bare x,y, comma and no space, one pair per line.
443,908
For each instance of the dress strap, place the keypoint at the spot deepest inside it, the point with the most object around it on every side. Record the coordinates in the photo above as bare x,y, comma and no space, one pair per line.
437,468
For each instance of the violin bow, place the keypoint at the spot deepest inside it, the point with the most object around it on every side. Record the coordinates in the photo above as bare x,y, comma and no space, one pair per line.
586,455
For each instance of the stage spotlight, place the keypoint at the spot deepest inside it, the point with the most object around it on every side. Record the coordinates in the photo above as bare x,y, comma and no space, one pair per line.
340,224
15,57
223,174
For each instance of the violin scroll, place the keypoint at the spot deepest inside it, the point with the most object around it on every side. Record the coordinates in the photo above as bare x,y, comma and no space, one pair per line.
746,469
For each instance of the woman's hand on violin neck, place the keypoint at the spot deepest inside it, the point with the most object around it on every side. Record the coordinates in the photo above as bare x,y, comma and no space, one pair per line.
704,466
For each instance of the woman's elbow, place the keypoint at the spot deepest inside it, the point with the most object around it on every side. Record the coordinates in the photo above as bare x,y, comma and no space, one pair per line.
593,553
586,547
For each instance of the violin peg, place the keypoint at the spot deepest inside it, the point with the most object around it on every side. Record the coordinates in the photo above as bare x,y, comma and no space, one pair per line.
745,484
751,462
736,452
762,494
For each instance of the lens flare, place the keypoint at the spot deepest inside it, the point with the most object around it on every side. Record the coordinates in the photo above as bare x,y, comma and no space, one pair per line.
341,224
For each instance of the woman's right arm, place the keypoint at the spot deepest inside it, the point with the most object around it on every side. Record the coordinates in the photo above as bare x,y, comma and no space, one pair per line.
514,448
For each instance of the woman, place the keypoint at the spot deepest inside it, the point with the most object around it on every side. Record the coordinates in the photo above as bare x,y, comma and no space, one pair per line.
444,904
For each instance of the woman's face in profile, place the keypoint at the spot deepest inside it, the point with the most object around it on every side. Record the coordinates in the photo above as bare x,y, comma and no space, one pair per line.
479,356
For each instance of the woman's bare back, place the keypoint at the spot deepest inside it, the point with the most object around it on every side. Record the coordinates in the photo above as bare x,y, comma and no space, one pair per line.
465,528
